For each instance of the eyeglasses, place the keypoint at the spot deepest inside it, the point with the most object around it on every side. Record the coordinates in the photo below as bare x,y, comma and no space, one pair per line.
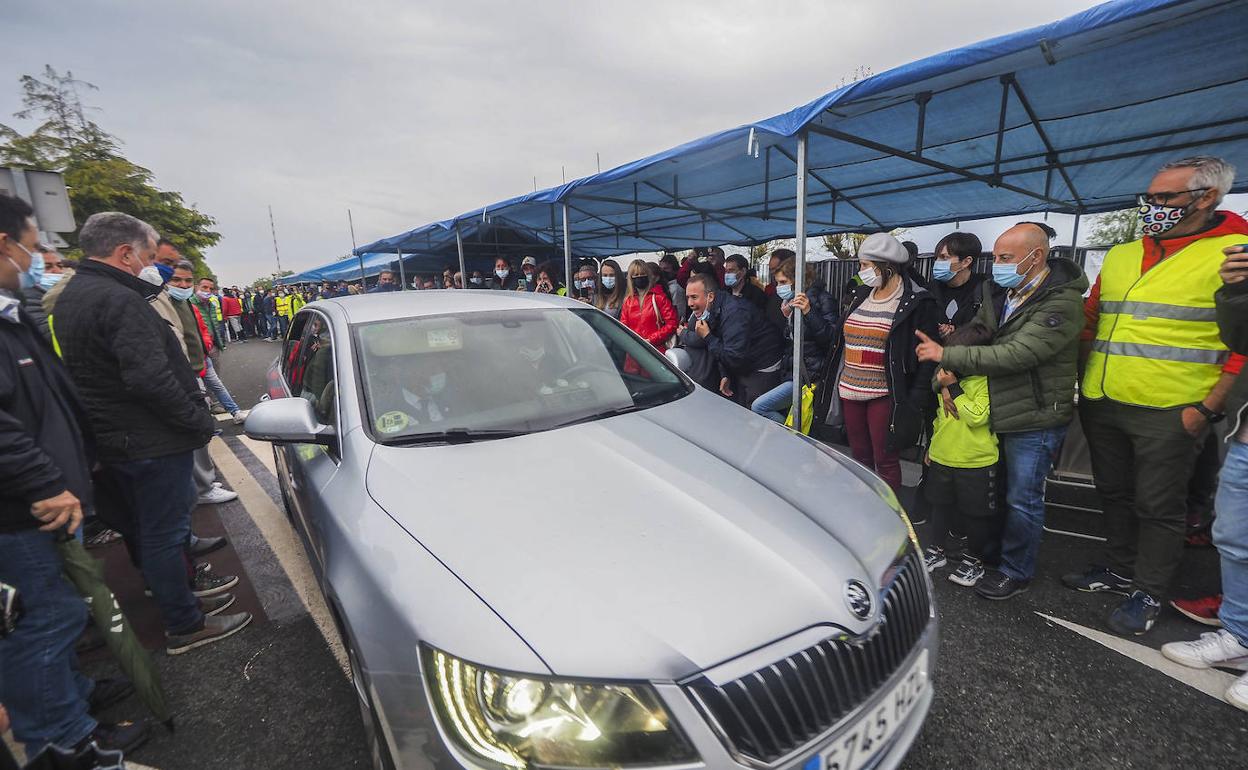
1164,198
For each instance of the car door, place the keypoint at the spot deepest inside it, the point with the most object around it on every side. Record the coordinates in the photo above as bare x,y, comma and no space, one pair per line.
309,372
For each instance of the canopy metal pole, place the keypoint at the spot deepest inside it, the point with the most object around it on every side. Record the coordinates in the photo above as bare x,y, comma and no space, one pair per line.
402,273
567,248
799,278
459,246
351,224
1074,238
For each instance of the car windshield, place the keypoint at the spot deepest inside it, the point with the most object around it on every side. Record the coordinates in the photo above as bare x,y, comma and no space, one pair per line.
487,375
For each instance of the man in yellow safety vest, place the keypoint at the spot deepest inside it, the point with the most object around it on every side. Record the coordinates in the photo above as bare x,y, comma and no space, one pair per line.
1156,377
283,310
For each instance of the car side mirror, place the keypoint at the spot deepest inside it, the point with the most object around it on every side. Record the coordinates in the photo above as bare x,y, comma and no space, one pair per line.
680,358
287,421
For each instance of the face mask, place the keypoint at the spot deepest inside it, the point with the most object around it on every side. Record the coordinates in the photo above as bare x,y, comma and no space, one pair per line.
608,282
207,294
730,279
180,293
871,277
48,280
30,277
502,274
641,282
942,270
784,291
475,281
166,272
151,275
705,314
1157,220
529,277
1007,276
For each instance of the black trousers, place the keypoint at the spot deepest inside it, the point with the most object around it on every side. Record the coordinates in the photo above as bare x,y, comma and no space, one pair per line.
965,502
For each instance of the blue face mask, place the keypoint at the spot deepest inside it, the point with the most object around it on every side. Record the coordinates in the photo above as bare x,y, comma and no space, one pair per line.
784,291
608,282
166,272
50,279
502,274
1006,275
31,276
730,279
180,293
942,270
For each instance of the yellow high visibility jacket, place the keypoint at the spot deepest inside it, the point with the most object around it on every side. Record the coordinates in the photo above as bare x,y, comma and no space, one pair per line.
1157,341
296,302
283,305
216,307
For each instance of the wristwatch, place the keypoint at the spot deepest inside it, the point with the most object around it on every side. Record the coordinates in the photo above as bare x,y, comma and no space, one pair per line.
1209,414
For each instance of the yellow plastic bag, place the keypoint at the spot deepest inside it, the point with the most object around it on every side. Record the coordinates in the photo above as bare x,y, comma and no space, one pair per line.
808,409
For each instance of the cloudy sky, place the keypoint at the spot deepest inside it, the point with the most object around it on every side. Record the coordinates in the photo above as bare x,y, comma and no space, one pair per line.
408,112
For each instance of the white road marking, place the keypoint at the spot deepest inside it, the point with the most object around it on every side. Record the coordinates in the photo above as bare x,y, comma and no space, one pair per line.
284,542
1210,681
262,450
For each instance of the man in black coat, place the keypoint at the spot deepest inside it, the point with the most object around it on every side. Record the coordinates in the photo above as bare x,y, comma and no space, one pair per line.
45,482
747,347
145,408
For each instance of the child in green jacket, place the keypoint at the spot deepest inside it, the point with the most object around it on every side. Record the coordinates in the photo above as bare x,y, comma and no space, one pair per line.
962,474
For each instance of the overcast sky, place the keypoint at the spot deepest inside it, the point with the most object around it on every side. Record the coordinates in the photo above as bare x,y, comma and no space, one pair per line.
409,112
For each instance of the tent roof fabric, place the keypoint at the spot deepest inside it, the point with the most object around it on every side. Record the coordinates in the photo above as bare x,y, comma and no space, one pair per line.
1072,116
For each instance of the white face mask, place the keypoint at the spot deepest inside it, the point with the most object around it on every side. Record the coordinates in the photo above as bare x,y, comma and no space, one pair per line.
871,277
151,275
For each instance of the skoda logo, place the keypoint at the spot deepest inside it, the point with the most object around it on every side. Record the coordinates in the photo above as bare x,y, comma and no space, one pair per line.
858,598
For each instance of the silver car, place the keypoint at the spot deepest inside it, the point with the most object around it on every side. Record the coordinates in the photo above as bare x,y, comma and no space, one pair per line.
545,547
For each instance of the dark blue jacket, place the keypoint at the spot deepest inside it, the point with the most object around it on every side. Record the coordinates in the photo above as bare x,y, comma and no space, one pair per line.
742,340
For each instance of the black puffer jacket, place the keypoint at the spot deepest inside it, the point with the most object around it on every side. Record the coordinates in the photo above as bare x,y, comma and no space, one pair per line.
142,398
819,331
44,443
742,340
32,303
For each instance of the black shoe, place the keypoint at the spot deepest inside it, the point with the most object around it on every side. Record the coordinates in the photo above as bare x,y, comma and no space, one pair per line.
118,736
214,629
208,584
1135,616
998,586
1096,579
206,545
215,605
108,692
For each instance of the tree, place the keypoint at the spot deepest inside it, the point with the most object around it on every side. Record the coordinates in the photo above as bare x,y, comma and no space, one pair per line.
99,178
266,283
844,245
1116,227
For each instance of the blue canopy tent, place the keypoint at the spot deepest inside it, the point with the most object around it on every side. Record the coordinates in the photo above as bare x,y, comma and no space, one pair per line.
1072,116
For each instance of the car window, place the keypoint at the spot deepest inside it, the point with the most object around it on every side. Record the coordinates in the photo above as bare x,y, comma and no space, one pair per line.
290,348
310,362
505,372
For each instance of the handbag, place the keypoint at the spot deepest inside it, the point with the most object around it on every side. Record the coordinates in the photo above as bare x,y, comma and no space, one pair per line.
670,342
808,408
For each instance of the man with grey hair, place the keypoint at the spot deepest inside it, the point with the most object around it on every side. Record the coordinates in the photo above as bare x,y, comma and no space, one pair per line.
144,404
1155,379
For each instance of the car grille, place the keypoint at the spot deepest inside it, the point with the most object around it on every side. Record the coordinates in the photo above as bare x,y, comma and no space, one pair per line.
774,711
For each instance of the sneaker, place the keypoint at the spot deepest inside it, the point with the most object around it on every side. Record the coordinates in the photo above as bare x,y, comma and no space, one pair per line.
101,538
1203,610
1135,615
202,546
215,628
1237,693
215,605
934,558
207,584
1213,648
998,586
956,548
109,692
118,736
1096,579
239,417
217,495
968,573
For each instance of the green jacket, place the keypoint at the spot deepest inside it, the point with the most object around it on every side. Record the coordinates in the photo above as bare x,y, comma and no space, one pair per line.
1032,362
965,441
209,313
1232,308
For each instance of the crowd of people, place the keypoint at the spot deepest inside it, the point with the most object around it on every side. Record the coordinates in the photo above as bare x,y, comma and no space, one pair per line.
107,385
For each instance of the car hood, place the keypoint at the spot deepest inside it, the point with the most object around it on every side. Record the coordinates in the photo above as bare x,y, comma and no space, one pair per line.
650,545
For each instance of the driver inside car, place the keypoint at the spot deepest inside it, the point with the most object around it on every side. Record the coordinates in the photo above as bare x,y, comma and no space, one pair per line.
410,391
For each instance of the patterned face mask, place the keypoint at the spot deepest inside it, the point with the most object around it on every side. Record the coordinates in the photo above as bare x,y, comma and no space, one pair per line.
1157,220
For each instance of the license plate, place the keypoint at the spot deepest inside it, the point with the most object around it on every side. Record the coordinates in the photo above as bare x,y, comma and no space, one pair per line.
858,744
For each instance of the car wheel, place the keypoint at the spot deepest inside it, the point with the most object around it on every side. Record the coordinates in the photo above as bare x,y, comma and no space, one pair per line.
378,749
287,508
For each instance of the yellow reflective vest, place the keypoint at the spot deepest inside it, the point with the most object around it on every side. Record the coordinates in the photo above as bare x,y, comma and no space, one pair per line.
296,302
283,305
1157,342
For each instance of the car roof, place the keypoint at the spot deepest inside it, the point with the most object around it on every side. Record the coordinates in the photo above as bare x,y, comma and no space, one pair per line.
382,306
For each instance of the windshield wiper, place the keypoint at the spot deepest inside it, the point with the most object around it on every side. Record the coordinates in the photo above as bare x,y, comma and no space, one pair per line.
454,436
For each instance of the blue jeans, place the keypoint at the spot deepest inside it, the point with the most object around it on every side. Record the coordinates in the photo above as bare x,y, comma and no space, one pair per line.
40,685
1029,456
217,388
162,493
775,403
1230,535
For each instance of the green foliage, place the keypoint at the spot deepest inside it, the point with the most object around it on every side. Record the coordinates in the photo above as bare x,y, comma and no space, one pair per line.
1116,227
844,245
98,176
267,282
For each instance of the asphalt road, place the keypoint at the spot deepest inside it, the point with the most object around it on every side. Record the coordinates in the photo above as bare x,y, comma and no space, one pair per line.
1036,682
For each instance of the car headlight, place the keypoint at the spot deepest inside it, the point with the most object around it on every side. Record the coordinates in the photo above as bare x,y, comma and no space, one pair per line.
522,721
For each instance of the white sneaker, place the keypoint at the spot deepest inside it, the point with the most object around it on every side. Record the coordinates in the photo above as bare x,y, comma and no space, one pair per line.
1213,648
1237,695
217,495
239,418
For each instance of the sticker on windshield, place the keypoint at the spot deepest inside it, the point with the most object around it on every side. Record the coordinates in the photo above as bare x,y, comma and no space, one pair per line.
443,339
392,422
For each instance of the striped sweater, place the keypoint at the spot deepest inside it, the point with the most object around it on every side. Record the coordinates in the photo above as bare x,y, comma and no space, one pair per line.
864,376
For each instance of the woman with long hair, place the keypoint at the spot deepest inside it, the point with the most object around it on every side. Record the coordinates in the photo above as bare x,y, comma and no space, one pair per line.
610,299
647,309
